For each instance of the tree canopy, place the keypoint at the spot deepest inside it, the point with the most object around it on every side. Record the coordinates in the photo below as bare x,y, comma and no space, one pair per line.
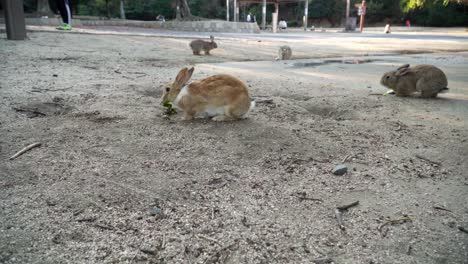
420,12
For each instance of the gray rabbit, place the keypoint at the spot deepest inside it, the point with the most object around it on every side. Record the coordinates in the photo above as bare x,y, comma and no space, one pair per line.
198,45
426,79
284,53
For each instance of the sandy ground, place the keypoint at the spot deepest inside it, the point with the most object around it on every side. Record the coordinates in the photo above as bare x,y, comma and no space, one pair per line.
114,182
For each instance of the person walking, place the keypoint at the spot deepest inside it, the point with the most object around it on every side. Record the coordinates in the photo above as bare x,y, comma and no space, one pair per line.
249,18
65,12
283,24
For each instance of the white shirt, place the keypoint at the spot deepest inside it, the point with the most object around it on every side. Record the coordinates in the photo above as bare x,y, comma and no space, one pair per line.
282,24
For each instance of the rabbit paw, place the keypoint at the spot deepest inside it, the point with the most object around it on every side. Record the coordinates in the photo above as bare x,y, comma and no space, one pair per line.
188,117
220,118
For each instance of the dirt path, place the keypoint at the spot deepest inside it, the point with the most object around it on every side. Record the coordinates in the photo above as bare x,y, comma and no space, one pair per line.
113,182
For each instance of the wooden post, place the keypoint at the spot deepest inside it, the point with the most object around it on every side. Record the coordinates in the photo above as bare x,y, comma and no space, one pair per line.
361,23
237,12
234,13
263,14
122,10
275,18
347,9
227,10
14,19
306,14
348,26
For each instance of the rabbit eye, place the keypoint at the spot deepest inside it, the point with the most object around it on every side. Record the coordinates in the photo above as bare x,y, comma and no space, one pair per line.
168,89
388,76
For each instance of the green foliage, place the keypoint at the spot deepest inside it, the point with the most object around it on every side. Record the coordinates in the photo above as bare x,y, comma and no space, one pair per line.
87,8
256,10
383,10
149,9
409,5
29,5
439,14
419,12
208,8
170,110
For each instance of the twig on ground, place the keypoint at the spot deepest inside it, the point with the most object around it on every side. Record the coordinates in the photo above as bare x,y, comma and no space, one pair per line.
39,90
148,251
209,239
346,158
319,160
339,213
215,257
264,101
86,219
22,151
302,196
322,260
187,255
163,243
137,72
464,230
408,249
394,221
104,226
244,221
32,111
339,219
90,67
443,209
428,160
347,206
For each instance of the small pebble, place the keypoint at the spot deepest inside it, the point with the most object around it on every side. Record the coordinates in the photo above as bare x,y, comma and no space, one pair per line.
155,211
340,169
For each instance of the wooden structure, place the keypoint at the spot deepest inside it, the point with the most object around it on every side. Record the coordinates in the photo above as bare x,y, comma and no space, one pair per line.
14,19
238,3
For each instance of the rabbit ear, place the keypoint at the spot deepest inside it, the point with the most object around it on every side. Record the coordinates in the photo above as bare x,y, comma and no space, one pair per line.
402,71
403,66
189,73
183,77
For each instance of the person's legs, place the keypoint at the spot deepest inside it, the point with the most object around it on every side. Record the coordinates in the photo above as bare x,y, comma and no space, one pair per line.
65,12
69,13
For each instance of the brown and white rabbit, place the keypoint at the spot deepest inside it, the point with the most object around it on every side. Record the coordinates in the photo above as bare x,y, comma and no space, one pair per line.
199,45
426,79
221,97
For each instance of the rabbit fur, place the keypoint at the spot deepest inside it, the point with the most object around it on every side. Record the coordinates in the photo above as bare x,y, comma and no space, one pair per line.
284,53
426,79
221,97
198,45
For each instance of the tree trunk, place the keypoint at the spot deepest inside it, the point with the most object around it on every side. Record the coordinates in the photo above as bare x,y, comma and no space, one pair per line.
184,9
43,8
347,9
227,10
107,8
178,17
122,10
264,14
